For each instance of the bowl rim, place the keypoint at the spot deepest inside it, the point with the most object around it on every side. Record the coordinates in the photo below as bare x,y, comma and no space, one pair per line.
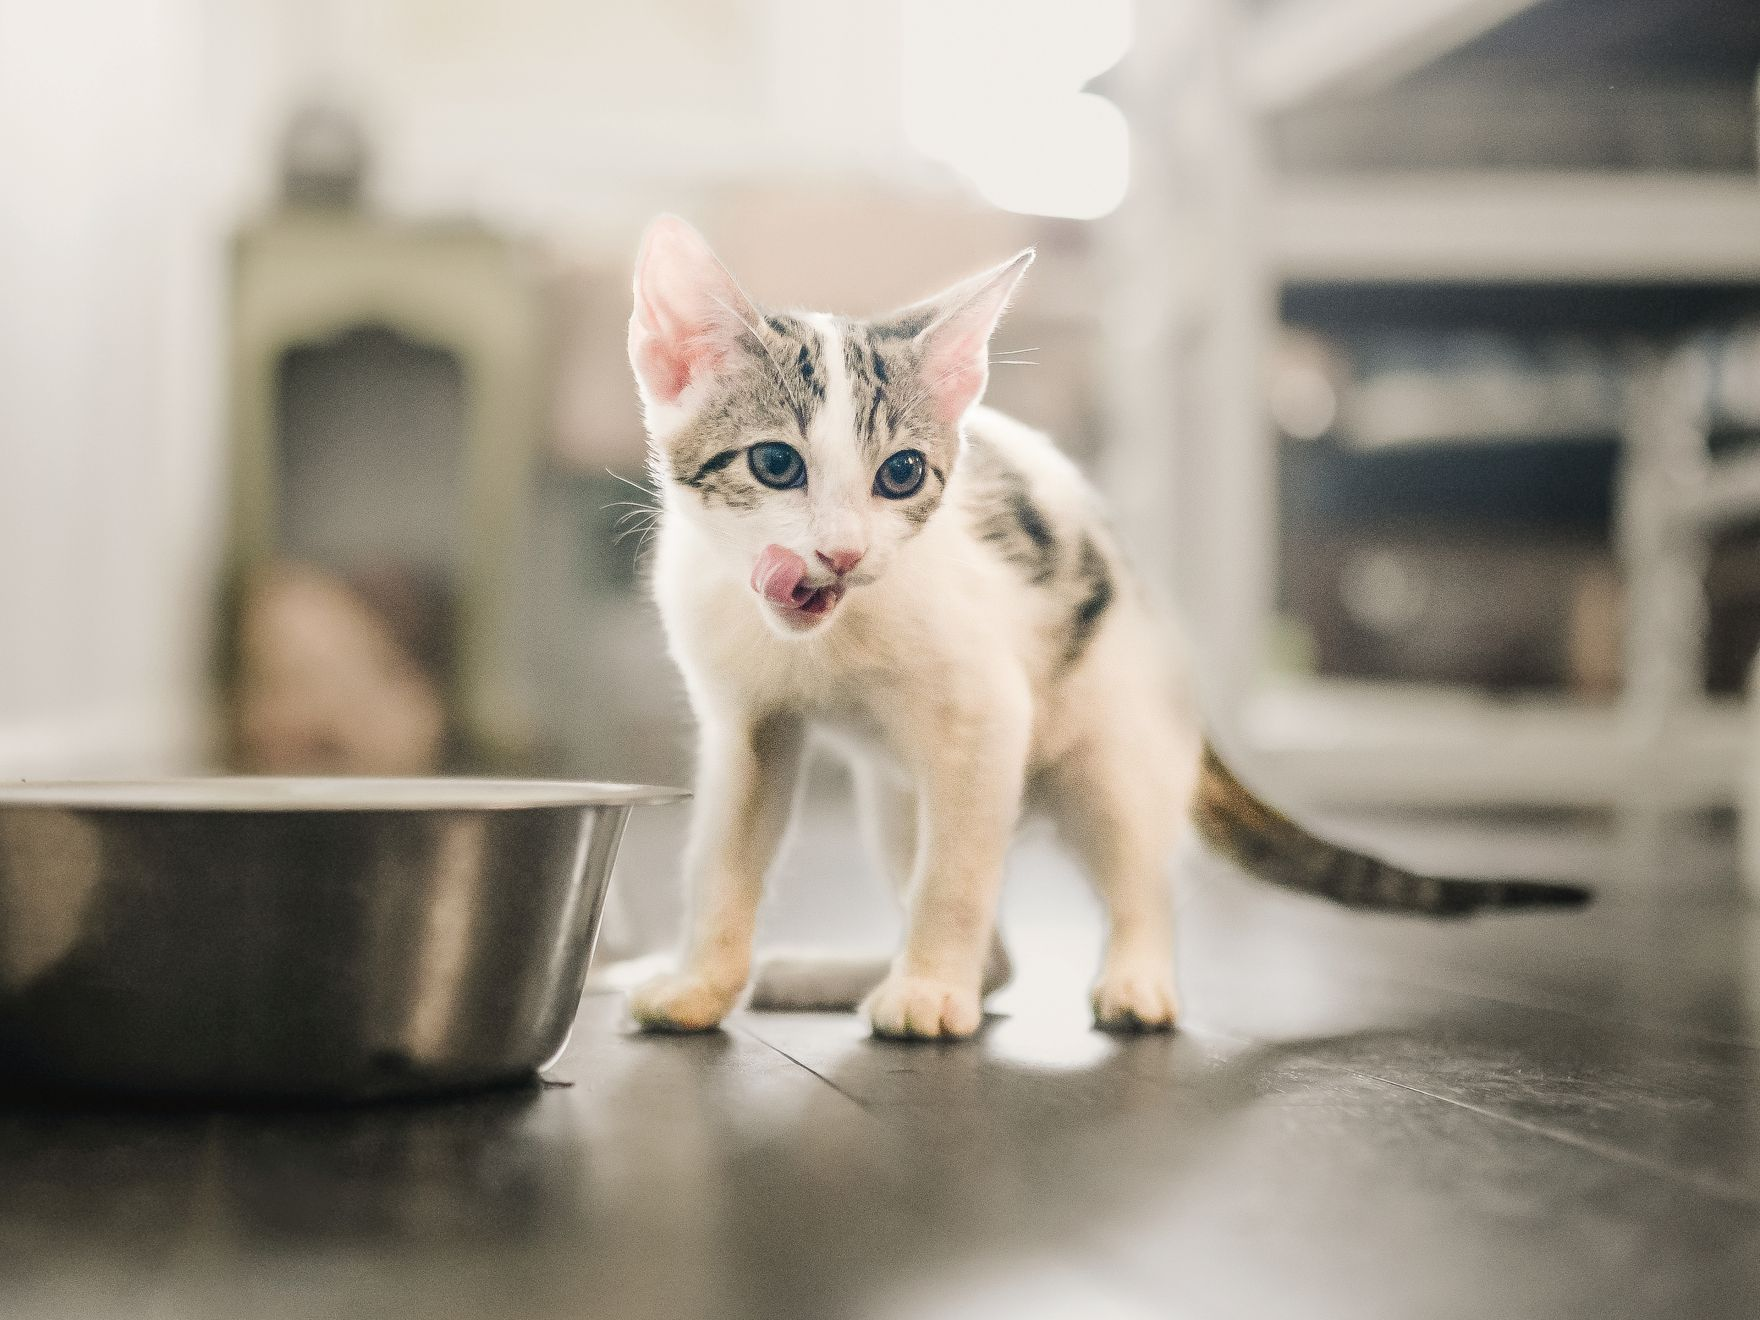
277,794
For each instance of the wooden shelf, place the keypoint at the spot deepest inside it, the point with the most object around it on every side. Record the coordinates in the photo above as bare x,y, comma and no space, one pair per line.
1511,227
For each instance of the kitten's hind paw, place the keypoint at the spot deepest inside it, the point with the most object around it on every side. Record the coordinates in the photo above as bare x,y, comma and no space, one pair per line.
815,983
918,1008
680,1002
1131,1000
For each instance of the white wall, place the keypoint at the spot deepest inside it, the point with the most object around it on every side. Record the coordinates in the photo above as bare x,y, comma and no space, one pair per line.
110,263
586,115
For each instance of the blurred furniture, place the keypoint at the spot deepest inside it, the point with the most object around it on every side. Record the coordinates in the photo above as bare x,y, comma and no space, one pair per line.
325,682
1249,213
306,279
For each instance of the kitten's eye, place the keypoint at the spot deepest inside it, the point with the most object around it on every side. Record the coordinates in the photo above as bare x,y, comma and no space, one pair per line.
901,475
777,465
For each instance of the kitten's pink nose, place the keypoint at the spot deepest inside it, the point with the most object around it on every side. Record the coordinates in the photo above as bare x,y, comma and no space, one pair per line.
840,561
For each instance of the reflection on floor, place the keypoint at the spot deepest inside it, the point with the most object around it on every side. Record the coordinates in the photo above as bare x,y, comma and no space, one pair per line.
1537,1116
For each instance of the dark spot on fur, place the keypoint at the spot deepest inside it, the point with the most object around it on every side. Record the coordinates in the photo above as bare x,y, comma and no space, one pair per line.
1033,524
734,497
907,325
855,354
867,387
920,511
804,363
801,344
1017,529
717,484
1098,591
1007,518
710,468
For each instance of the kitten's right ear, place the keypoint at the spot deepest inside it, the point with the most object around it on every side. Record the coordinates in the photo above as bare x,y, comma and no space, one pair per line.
956,342
689,313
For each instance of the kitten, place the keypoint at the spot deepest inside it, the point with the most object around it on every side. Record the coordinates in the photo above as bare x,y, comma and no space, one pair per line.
851,546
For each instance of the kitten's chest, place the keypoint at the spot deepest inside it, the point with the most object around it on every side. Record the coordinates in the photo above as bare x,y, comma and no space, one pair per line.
915,642
843,678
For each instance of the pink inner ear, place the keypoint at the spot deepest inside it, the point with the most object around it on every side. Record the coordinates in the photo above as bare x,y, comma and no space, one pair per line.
665,373
956,358
682,328
959,368
670,353
961,382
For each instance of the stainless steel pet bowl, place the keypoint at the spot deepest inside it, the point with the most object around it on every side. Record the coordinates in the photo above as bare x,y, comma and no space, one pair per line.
297,938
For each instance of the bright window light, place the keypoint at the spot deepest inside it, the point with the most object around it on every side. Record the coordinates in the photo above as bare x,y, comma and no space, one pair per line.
993,88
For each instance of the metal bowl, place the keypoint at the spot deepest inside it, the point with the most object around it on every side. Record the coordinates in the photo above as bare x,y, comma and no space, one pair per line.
298,938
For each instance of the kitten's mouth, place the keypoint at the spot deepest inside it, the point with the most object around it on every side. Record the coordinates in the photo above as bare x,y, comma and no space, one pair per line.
780,577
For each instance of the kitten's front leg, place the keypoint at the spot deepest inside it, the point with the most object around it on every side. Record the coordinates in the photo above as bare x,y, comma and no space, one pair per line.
746,778
971,779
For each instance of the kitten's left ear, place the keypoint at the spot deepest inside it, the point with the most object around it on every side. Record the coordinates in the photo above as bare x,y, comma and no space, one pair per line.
689,313
955,346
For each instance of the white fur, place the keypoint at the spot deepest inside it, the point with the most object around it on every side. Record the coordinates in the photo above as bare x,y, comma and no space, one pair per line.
941,675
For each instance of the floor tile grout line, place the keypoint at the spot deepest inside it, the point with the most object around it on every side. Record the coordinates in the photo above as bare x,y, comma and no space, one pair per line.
769,1044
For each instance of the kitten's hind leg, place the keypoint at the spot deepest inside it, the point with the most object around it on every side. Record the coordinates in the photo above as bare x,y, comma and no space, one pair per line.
1121,819
825,982
828,982
808,982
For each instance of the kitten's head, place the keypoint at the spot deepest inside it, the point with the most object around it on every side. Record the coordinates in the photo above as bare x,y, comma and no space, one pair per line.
810,447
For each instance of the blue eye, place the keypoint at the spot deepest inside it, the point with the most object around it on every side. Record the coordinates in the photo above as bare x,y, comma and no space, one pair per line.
777,465
900,476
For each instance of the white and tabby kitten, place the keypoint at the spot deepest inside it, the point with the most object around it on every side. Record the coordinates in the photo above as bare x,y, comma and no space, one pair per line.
850,546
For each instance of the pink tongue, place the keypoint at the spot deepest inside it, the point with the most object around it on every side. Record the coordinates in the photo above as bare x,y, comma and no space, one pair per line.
777,576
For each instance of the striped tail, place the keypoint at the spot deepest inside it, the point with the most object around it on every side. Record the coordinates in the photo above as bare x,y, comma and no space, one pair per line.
1238,824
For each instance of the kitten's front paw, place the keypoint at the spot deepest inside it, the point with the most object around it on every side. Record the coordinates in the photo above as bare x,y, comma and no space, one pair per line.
680,1001
1131,999
918,1008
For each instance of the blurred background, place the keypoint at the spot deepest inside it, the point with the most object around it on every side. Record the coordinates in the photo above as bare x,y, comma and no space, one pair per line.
1417,343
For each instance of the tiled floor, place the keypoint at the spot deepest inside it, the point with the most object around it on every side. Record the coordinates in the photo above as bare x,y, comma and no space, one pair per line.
1535,1116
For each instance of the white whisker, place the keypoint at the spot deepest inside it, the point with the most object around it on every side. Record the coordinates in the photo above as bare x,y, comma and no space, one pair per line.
633,485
